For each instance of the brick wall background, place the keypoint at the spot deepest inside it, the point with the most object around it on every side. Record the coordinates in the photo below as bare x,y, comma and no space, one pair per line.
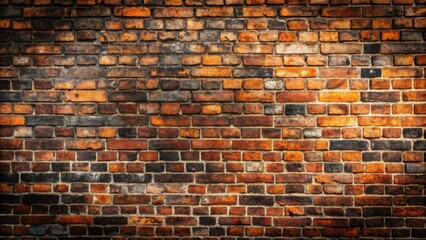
220,119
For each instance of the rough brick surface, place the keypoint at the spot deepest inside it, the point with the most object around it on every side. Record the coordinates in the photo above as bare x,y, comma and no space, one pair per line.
212,119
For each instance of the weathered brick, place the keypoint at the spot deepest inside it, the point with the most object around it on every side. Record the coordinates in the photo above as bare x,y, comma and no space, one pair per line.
132,12
85,96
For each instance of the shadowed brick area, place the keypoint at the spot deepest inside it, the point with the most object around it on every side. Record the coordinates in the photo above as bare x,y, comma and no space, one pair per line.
212,119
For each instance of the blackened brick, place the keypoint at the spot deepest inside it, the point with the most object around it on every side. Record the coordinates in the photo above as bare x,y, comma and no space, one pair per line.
390,145
10,97
348,145
40,199
412,132
132,178
293,109
256,200
40,177
372,48
44,121
420,145
85,177
371,72
135,96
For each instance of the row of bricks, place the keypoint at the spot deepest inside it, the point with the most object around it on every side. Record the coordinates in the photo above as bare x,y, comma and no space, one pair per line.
215,11
270,133
291,166
253,166
243,199
372,230
207,28
219,48
319,187
209,2
226,84
216,60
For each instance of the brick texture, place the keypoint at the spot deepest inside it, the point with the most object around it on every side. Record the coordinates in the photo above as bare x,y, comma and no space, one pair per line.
212,119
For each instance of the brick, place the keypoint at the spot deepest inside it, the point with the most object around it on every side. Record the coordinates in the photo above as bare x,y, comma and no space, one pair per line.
213,96
85,96
380,96
296,48
341,12
132,12
295,97
127,144
337,121
172,12
12,120
339,96
296,72
298,11
211,72
214,12
379,121
338,72
348,145
340,48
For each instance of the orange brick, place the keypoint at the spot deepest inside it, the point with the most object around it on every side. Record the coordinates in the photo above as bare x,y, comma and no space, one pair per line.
211,109
85,96
296,72
12,120
351,96
379,121
336,121
132,12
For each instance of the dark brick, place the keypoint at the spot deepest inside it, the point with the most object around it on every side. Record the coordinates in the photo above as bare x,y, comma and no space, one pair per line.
98,167
256,200
390,145
420,145
392,156
294,109
253,72
333,167
132,178
412,132
127,120
9,198
44,121
38,230
372,48
127,132
40,199
74,198
135,96
40,177
44,144
87,72
11,97
348,145
169,156
380,96
85,177
194,167
293,200
85,121
9,177
154,167
169,144
110,220
371,72
88,23
172,96
170,178
371,156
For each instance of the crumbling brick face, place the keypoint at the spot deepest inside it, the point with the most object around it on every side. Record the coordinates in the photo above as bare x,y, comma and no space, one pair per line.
214,119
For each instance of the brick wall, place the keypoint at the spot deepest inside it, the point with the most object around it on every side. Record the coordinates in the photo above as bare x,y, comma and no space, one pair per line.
220,119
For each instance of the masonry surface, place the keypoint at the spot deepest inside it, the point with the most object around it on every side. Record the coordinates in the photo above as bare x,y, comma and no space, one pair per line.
218,119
